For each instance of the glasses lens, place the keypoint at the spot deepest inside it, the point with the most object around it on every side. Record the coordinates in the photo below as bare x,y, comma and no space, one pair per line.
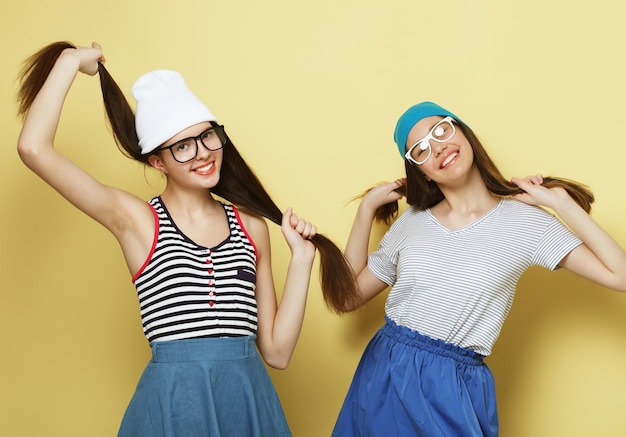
443,131
184,150
421,151
211,139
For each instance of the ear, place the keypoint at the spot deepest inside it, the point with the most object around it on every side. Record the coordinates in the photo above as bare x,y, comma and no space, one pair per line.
155,161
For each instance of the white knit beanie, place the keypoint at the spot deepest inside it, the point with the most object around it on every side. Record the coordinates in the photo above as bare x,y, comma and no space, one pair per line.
165,107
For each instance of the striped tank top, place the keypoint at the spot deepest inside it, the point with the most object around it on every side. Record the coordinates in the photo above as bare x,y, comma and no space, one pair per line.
188,291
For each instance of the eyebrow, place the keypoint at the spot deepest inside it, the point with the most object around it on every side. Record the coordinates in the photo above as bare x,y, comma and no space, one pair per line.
188,138
451,120
430,129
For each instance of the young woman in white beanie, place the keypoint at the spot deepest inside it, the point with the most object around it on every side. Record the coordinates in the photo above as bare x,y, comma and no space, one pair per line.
201,267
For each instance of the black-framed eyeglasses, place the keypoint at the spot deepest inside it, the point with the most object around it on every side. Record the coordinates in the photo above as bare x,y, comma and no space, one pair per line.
186,150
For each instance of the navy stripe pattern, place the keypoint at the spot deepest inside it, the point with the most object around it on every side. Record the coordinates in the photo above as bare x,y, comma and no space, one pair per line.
458,286
190,291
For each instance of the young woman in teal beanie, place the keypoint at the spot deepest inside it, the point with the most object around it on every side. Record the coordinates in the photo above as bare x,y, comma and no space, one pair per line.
453,260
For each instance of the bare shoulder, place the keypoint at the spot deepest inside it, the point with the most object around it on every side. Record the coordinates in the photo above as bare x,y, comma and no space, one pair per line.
253,223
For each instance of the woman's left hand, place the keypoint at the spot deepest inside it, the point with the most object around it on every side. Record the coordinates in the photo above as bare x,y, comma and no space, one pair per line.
298,232
534,193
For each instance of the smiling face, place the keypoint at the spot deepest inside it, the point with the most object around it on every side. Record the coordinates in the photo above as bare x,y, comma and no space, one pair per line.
442,149
202,171
421,150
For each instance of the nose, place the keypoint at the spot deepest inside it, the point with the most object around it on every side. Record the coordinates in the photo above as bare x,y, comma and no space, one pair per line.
201,150
439,147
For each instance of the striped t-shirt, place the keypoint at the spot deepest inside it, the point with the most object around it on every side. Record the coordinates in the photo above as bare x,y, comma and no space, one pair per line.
458,286
187,291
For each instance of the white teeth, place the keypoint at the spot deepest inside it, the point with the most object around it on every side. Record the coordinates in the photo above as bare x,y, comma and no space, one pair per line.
205,168
448,159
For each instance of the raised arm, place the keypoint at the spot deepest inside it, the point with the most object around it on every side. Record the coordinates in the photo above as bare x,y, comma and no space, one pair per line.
357,247
600,259
123,214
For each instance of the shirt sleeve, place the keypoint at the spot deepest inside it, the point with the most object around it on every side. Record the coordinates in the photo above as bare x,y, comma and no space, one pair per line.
384,261
557,241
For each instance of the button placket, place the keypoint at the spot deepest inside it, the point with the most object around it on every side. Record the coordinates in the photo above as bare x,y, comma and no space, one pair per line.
211,280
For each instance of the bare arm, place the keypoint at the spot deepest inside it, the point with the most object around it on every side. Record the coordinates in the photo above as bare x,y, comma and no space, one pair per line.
358,241
599,259
126,216
279,326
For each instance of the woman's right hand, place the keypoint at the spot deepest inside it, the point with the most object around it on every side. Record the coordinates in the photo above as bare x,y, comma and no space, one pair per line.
382,194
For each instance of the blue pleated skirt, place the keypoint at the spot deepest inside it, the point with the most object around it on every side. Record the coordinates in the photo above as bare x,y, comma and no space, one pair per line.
409,384
214,387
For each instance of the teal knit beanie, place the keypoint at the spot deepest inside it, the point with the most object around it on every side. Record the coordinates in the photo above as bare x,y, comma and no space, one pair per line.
414,114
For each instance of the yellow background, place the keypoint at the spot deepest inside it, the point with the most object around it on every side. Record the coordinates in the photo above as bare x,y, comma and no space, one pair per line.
310,92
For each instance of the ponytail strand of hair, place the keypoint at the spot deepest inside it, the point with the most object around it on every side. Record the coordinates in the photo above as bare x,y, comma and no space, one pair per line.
240,186
35,71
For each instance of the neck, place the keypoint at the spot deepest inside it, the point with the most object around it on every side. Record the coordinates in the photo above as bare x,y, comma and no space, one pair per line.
189,202
469,196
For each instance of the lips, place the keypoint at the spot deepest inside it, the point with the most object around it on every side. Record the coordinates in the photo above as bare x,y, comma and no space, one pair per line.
449,159
205,169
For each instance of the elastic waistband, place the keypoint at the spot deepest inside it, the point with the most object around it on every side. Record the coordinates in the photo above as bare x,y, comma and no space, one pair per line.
203,349
408,336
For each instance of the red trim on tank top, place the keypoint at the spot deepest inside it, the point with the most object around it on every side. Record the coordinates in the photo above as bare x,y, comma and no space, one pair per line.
154,243
243,228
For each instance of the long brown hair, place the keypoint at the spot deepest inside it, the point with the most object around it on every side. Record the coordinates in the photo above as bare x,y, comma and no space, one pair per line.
424,194
238,184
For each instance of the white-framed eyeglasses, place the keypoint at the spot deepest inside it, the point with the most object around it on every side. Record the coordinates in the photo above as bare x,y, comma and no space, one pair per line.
421,150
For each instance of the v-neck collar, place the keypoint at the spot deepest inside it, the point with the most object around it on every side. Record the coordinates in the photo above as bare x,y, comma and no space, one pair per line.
469,225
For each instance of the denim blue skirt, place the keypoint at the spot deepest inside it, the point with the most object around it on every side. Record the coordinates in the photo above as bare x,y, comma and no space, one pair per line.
409,384
216,387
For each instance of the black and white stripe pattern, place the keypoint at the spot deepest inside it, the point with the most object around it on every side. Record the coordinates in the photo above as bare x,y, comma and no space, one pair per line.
189,291
458,286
